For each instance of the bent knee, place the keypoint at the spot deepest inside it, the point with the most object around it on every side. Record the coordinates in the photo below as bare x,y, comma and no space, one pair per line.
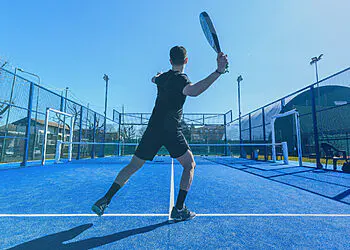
190,166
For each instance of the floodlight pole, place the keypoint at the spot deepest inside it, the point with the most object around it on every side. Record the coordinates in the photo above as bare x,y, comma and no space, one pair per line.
239,79
106,78
314,60
36,107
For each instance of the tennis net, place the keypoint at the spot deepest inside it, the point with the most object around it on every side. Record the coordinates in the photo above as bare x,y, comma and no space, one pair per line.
262,151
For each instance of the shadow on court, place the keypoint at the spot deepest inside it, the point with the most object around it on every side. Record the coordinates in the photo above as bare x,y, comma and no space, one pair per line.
327,184
56,241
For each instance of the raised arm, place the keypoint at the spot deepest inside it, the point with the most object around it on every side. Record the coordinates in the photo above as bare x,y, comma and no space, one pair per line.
201,86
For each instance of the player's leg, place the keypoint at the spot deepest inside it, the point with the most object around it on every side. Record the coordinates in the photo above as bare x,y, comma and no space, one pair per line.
123,176
179,149
188,164
146,150
180,211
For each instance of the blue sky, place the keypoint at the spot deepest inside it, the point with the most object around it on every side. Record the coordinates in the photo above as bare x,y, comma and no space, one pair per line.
73,43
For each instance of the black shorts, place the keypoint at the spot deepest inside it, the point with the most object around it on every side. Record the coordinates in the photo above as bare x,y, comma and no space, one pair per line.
153,139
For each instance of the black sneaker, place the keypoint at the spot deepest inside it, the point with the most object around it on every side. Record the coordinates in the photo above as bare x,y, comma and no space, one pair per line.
181,215
100,206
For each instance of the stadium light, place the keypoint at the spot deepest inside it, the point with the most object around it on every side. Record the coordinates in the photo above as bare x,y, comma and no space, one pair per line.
314,61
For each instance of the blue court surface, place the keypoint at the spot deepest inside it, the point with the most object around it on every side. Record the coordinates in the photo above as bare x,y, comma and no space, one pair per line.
241,204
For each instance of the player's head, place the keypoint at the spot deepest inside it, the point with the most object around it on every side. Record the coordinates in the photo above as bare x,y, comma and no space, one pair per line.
178,56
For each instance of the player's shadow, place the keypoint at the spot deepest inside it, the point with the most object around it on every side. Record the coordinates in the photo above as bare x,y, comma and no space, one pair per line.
56,241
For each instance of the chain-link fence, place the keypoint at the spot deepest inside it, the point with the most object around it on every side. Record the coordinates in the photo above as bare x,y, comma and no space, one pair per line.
197,128
23,107
324,110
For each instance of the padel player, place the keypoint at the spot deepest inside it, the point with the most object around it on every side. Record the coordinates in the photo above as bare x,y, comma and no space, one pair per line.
164,129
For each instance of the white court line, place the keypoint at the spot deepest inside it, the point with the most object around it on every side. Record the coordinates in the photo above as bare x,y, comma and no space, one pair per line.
166,215
172,191
83,215
273,215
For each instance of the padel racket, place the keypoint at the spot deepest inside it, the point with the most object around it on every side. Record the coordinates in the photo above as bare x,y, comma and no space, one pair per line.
210,32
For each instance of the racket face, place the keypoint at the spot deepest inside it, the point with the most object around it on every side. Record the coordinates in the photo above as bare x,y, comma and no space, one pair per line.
209,31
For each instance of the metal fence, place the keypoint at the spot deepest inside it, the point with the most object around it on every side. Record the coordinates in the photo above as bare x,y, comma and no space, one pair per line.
324,110
197,127
23,105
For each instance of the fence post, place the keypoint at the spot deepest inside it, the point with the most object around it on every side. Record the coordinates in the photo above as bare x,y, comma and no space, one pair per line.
250,128
29,117
225,135
104,135
80,131
93,138
119,135
61,109
314,120
64,109
264,133
347,143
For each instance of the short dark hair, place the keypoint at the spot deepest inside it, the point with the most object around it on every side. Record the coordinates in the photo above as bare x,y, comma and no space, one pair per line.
178,54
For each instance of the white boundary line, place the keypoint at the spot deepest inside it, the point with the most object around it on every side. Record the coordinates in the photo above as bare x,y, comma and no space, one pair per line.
167,215
172,191
273,215
82,215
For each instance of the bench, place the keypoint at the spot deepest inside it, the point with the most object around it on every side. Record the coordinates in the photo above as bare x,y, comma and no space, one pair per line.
331,153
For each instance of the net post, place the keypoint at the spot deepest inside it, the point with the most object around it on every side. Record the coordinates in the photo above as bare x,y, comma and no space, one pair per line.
58,151
43,157
285,153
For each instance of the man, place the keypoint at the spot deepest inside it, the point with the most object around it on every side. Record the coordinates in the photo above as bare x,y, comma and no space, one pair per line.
164,129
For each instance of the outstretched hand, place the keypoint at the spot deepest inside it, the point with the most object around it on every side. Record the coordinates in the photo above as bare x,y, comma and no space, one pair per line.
222,62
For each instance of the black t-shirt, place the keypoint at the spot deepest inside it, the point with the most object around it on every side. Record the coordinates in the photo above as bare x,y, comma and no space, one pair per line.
167,111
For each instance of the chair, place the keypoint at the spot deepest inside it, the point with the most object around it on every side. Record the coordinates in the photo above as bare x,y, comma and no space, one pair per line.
334,154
